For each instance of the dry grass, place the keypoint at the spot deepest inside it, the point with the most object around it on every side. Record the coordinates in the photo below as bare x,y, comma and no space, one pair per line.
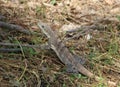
42,68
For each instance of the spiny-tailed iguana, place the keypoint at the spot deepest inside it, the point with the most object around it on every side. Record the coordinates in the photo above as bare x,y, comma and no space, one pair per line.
62,52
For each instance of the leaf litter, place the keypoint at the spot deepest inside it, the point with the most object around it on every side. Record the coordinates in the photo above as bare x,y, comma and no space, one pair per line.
99,46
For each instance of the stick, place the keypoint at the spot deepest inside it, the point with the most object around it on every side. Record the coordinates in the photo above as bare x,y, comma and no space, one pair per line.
43,46
14,27
3,50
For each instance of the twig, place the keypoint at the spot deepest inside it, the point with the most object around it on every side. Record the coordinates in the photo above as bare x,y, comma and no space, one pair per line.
3,50
23,72
94,26
42,46
14,27
18,50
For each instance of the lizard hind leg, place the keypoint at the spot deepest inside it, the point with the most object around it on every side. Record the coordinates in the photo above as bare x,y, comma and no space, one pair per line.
71,68
80,59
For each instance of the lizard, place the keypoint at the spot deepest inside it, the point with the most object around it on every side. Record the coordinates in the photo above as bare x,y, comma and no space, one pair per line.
62,51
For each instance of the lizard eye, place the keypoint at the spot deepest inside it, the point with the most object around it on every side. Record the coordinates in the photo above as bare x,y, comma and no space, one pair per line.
42,26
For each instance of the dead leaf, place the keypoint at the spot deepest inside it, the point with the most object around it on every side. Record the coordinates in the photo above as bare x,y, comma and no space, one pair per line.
68,27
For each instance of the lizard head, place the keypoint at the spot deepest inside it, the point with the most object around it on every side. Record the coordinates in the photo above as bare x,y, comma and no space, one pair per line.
44,28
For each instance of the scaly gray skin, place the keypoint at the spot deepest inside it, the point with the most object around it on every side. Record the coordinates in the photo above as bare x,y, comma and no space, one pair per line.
62,52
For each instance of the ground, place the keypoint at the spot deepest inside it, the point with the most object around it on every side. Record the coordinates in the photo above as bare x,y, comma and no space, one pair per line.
35,67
